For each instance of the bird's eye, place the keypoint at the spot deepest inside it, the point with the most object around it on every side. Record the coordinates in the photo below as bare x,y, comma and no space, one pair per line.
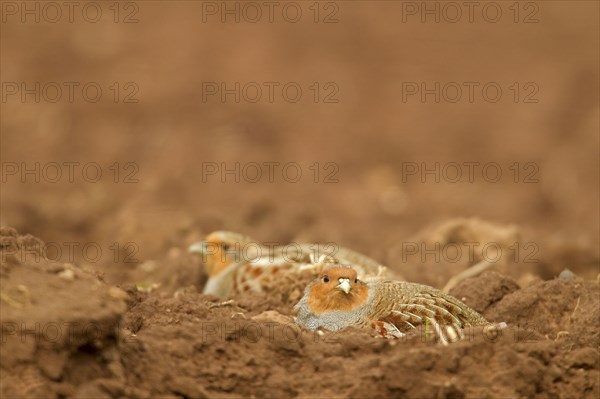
226,247
355,280
325,279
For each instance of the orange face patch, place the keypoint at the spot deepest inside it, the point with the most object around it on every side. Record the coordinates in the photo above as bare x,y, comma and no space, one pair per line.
219,254
324,295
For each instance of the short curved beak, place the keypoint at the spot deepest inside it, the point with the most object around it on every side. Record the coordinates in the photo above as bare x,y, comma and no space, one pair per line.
198,248
344,285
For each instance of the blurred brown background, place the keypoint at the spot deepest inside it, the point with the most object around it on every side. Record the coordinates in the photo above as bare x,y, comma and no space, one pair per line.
365,58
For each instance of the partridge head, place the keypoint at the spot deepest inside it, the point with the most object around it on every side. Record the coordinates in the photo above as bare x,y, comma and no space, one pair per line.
338,288
219,250
221,253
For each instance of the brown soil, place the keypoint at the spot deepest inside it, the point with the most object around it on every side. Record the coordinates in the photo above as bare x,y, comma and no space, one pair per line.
130,322
66,333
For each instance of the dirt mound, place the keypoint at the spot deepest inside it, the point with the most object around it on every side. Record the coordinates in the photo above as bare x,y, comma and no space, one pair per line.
130,343
59,323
